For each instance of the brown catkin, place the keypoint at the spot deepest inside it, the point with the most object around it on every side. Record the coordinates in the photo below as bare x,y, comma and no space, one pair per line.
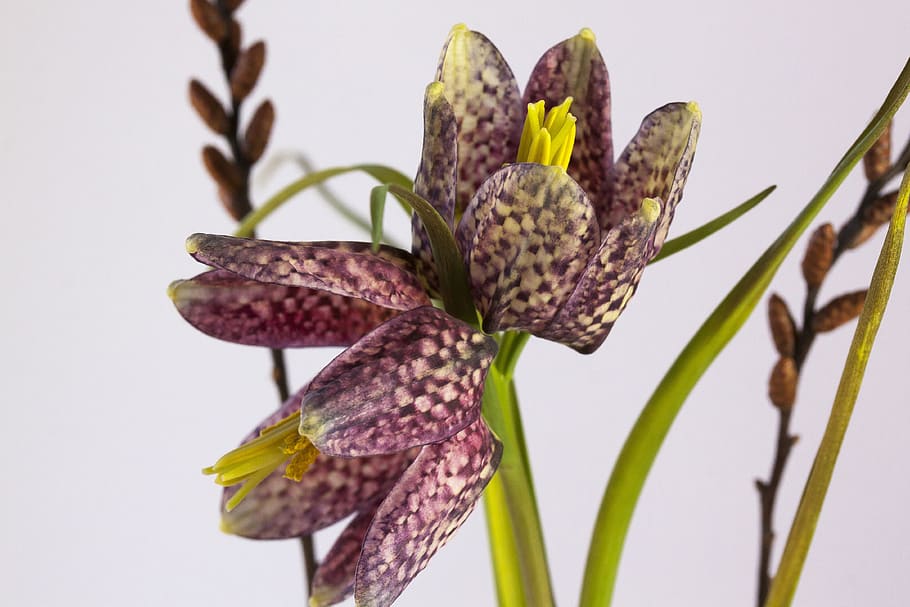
839,311
258,131
225,173
782,383
877,160
783,328
819,255
209,19
246,71
209,108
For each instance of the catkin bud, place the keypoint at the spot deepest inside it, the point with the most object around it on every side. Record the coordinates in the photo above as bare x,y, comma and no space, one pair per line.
877,160
782,383
819,255
783,328
875,215
209,108
235,203
225,173
258,130
235,37
839,311
209,19
246,71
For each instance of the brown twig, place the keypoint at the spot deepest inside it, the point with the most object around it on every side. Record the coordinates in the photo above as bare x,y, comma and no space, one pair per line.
241,67
823,251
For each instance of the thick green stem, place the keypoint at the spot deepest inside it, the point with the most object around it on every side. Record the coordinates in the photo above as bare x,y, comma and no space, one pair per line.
516,536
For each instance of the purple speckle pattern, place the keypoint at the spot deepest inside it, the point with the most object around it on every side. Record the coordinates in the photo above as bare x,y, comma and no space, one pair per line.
334,579
330,490
226,306
527,236
656,164
387,278
481,88
428,504
436,176
416,379
575,68
605,288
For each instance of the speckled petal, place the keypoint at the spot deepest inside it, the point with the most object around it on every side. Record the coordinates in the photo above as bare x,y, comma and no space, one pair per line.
331,489
487,104
224,305
575,68
430,502
416,379
387,278
334,580
527,236
607,284
436,175
656,163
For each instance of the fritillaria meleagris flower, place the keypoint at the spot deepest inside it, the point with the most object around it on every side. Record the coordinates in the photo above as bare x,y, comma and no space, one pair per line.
554,243
554,236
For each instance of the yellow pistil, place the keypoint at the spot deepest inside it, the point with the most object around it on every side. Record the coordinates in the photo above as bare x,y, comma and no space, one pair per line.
548,137
251,463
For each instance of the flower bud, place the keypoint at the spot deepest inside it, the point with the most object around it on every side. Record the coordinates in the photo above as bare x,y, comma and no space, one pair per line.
783,328
209,108
782,383
819,255
877,160
839,311
246,71
209,19
258,131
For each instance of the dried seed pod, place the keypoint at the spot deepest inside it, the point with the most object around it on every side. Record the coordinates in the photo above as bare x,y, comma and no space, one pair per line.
258,131
877,160
209,19
783,327
246,71
235,202
782,383
209,108
819,255
839,311
225,173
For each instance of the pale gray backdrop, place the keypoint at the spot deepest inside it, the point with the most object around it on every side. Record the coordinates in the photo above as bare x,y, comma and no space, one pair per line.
111,404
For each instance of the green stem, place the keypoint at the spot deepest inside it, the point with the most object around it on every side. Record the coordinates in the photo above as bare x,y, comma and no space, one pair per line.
516,536
783,587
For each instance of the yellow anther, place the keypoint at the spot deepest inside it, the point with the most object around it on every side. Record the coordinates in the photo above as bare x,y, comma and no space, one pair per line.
548,137
250,464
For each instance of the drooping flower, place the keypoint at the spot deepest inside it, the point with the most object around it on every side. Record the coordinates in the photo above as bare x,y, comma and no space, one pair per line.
552,246
390,431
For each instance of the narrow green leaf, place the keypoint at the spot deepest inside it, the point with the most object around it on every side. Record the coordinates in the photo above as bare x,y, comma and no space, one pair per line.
688,239
377,212
456,293
791,565
646,437
382,174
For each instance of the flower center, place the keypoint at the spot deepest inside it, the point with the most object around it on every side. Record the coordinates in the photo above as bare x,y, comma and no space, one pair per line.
251,463
548,136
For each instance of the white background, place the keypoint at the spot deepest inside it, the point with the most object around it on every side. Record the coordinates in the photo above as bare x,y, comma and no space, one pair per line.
111,404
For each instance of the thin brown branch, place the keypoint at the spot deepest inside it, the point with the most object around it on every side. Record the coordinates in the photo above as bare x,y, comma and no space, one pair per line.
241,70
849,236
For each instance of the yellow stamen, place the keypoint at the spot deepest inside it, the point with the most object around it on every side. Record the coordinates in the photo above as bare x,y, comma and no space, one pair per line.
252,463
548,137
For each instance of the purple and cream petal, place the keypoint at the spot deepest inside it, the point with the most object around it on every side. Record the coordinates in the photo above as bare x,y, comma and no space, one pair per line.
334,579
416,379
226,306
527,237
331,490
655,164
436,175
607,284
386,278
428,504
485,98
575,68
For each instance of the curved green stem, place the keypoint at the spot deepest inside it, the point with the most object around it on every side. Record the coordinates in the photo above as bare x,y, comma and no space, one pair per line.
644,441
513,520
